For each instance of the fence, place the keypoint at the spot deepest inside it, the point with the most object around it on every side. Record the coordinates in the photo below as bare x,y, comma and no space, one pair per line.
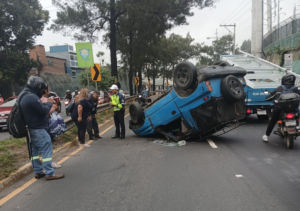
286,34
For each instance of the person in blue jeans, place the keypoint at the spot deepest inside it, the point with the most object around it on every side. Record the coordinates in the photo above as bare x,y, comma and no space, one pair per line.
81,114
35,117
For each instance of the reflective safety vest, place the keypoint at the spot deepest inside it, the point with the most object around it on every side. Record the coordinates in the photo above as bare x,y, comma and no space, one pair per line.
115,100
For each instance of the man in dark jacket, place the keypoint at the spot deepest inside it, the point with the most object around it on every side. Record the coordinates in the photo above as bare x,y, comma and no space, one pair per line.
288,82
92,121
35,116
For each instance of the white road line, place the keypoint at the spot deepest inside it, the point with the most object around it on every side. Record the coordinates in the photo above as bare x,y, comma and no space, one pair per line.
212,144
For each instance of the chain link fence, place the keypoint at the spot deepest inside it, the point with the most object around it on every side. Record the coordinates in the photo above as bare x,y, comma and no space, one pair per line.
286,34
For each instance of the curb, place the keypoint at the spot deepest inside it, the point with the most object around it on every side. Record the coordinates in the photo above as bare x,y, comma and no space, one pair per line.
27,168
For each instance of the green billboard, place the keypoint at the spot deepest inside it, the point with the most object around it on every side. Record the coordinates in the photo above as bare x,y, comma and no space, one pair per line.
84,53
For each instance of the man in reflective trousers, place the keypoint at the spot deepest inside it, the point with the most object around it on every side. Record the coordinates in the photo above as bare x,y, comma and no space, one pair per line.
118,104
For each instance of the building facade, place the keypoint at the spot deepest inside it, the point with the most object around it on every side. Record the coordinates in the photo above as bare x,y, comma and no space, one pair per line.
68,53
48,64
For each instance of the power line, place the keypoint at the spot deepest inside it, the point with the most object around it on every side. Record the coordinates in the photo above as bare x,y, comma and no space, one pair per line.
233,18
233,12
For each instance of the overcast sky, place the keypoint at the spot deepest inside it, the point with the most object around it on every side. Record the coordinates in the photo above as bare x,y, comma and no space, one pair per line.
203,24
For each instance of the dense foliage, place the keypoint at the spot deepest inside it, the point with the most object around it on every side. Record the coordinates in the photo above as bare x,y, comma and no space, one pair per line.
21,21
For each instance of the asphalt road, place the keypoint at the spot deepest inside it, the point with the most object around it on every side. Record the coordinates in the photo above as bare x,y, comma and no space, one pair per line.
5,135
243,173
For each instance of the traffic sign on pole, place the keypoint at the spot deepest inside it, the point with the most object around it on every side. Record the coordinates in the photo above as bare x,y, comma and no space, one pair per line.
137,81
96,72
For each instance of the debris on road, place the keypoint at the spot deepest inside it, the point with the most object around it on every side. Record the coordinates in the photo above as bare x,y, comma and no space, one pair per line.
170,144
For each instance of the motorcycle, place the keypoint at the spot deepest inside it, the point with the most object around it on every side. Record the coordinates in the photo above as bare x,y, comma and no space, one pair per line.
143,101
287,125
67,102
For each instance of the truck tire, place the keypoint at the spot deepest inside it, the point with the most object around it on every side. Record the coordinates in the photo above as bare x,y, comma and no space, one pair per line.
232,89
185,75
136,113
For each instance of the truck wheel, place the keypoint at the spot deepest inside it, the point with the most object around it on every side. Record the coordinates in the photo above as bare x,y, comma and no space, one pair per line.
185,75
289,141
136,113
232,89
263,117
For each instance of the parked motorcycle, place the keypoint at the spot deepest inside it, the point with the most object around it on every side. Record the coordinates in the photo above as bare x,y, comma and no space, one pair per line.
67,102
287,125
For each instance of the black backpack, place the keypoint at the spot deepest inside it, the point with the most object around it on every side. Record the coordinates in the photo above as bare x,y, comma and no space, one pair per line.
16,124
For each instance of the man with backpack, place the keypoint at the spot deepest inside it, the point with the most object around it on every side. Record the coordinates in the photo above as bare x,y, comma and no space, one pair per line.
287,86
35,113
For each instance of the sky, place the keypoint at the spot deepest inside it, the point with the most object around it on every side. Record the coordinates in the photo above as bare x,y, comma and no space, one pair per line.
203,24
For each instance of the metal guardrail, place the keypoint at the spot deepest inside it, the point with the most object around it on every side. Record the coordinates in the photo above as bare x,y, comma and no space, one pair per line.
101,108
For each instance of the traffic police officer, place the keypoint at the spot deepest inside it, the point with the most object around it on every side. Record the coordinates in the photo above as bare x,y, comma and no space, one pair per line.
118,104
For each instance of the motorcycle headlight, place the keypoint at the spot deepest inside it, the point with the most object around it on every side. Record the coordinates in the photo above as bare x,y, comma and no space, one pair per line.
140,96
66,102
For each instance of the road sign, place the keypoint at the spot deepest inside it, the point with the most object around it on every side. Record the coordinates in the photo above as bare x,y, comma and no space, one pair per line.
96,73
84,52
168,84
149,84
137,81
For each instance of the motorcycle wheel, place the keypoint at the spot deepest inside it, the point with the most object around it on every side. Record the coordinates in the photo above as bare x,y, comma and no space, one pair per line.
289,141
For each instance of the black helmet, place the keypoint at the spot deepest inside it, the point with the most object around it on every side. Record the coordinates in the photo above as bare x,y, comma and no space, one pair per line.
288,80
38,85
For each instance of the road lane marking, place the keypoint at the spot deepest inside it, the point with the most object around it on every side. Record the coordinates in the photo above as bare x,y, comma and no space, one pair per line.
15,192
30,182
212,144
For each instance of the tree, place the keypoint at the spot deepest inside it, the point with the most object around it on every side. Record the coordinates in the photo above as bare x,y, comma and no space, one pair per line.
84,19
21,21
246,46
106,79
210,54
100,55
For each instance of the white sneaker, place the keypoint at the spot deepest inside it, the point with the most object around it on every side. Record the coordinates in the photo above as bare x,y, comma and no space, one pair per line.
55,165
265,138
84,145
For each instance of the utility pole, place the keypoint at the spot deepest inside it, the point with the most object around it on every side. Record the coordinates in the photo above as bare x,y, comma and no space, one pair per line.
233,50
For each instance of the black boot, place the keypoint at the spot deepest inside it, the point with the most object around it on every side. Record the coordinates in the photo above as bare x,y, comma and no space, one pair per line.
92,138
98,136
115,136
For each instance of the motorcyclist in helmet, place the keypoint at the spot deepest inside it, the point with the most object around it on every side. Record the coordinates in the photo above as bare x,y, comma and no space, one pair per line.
68,95
287,83
35,116
76,93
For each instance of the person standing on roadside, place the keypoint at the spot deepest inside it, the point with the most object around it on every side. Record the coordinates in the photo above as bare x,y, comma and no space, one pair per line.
81,114
44,100
93,124
35,116
118,104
